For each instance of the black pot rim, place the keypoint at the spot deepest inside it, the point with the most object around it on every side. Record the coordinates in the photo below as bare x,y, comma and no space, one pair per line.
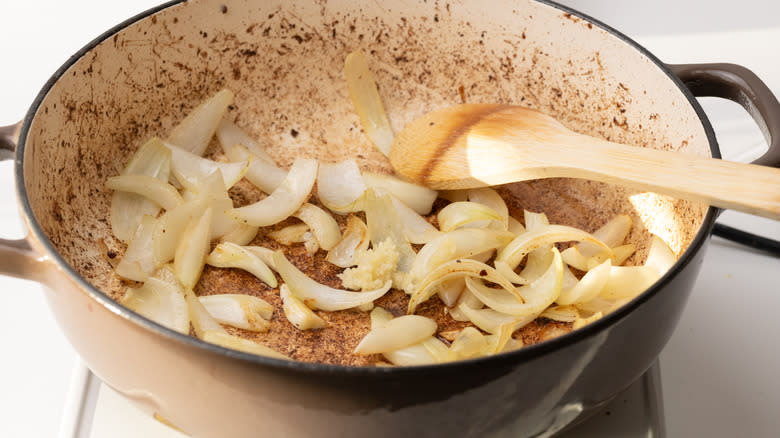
524,354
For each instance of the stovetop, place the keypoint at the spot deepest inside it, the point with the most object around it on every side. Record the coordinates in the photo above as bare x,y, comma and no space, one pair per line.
717,377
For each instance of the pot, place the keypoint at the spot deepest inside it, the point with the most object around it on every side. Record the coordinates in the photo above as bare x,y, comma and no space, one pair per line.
284,63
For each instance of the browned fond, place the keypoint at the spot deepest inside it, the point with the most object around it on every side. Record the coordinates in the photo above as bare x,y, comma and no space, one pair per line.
284,62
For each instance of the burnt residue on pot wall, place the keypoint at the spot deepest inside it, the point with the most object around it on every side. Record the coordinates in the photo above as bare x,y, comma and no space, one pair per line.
284,62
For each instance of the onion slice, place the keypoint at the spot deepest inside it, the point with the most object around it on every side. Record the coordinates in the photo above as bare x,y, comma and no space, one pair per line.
518,248
491,321
230,255
201,319
589,287
368,104
319,296
299,315
267,176
395,334
491,199
290,234
355,239
138,263
238,310
454,269
224,339
416,229
159,192
195,131
613,233
190,170
340,186
285,200
459,214
230,135
192,249
127,209
160,302
325,229
418,198
537,296
383,223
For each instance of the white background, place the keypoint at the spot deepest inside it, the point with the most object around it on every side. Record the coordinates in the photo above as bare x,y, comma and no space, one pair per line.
719,370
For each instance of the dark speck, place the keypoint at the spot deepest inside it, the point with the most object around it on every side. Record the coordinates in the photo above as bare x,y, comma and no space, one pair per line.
483,273
223,9
294,133
457,261
111,254
431,124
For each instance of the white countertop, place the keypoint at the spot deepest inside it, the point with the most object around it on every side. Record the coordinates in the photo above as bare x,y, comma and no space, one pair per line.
719,369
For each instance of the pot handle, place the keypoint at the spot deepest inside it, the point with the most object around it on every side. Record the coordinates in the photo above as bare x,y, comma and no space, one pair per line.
737,83
17,257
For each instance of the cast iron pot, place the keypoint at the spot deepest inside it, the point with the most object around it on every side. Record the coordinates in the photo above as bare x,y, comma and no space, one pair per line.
284,61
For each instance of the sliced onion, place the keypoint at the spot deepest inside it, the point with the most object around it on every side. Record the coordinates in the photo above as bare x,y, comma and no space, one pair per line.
470,343
395,334
170,227
299,315
265,175
310,243
355,239
491,321
375,267
285,200
340,186
561,313
160,302
601,305
535,221
201,319
127,209
383,223
368,104
416,229
138,262
450,290
319,296
190,255
466,299
195,131
265,254
537,296
622,253
229,135
238,310
224,339
490,198
589,287
613,233
413,355
462,243
509,273
241,234
660,257
582,322
517,249
514,226
325,229
213,193
418,198
190,170
458,268
230,255
458,214
159,192
629,281
290,234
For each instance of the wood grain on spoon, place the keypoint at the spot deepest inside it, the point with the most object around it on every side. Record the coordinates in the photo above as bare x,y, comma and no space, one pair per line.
476,145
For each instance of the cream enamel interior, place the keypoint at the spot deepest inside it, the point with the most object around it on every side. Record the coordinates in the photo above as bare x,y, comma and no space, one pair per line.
284,61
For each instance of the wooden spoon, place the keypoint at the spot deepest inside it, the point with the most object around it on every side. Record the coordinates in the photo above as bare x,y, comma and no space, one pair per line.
477,145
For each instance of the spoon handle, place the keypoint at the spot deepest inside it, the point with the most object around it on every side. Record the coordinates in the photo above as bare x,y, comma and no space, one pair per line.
744,187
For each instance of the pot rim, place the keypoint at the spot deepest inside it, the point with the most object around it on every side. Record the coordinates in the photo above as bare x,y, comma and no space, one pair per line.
524,354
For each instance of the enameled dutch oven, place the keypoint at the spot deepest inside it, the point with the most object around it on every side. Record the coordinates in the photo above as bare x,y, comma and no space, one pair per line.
284,61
